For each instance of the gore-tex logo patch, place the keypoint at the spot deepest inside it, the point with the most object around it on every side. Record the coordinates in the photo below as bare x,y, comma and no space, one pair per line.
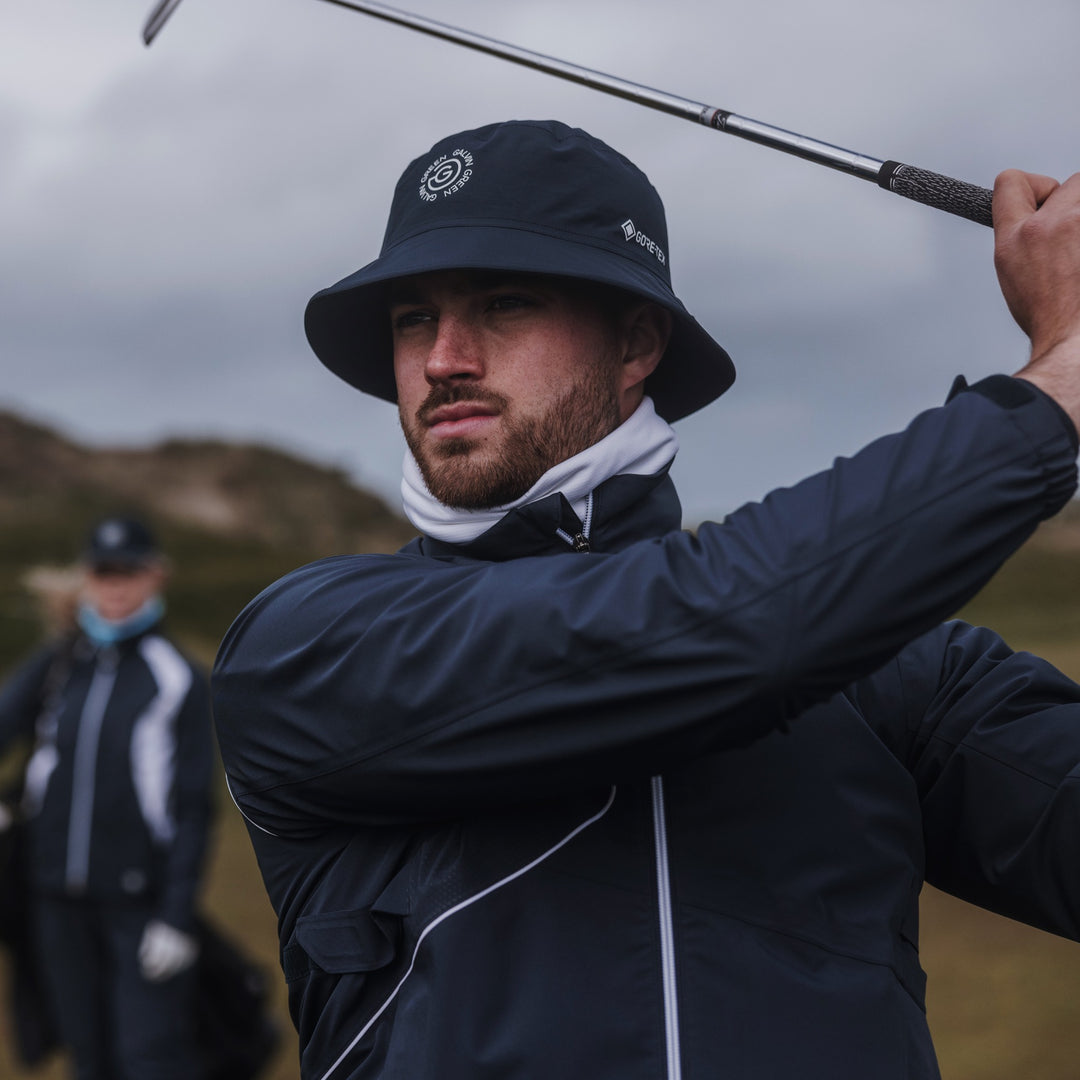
632,232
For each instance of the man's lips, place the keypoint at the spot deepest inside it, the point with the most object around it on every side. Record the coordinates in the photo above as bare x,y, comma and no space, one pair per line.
461,418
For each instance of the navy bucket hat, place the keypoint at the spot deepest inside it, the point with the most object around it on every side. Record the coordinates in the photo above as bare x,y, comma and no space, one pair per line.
521,196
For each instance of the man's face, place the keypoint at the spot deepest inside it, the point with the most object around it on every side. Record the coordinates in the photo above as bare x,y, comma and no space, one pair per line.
115,592
500,377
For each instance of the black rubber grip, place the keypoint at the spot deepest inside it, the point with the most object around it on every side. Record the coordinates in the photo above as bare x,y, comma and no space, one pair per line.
943,192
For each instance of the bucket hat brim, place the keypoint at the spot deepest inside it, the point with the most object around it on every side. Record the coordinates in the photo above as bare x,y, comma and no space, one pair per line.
348,325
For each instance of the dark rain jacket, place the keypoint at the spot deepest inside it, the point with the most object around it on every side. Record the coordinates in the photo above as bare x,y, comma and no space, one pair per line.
661,809
117,789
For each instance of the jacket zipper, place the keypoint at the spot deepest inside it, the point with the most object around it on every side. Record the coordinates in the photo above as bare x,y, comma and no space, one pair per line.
580,540
84,772
667,933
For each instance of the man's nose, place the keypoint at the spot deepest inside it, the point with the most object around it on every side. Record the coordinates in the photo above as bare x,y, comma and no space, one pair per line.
456,353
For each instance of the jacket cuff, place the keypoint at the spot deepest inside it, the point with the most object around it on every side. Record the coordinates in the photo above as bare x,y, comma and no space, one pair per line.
177,908
1046,425
1012,393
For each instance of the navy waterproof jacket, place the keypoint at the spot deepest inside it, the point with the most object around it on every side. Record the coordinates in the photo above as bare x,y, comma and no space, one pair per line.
661,809
117,795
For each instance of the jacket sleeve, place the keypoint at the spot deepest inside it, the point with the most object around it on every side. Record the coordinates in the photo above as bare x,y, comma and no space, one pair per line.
191,805
20,697
993,742
396,688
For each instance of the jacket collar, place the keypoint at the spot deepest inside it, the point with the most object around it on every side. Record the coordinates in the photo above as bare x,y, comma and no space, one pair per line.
82,648
625,509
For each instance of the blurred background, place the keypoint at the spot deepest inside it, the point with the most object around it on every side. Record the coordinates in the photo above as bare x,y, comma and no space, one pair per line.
166,213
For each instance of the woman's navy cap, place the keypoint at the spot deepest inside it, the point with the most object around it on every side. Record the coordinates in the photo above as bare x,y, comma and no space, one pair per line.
120,541
522,196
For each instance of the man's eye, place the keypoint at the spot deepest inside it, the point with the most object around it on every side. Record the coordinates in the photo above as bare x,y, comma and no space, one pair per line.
404,319
508,302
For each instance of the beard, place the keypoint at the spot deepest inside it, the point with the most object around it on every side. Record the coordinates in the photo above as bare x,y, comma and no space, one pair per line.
467,476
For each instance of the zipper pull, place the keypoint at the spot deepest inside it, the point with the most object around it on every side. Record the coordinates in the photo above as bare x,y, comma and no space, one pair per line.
578,542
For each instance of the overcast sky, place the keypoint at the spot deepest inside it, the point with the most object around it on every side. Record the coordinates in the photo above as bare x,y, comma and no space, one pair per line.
165,213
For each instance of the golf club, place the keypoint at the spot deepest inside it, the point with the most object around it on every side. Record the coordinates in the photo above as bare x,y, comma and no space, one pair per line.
921,185
157,19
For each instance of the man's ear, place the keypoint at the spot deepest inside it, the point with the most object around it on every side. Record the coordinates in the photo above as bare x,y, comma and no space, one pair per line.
646,330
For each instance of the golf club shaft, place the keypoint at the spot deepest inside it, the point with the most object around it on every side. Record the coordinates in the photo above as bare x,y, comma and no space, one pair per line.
921,185
833,156
157,19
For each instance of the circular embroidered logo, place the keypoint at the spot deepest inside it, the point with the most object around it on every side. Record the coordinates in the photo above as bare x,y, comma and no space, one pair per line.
446,175
111,534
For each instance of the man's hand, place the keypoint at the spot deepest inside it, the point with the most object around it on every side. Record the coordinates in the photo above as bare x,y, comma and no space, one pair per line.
165,951
1037,254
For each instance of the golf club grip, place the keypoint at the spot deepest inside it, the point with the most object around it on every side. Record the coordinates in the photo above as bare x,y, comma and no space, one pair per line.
943,192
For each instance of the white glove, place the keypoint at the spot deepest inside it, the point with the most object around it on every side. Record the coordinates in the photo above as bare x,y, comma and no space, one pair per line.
165,951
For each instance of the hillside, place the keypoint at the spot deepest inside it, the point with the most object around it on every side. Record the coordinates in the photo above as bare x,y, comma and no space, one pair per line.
232,516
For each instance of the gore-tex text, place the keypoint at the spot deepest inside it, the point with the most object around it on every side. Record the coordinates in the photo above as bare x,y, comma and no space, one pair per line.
632,232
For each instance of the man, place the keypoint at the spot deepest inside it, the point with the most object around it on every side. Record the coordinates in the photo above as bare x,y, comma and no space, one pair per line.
117,806
563,791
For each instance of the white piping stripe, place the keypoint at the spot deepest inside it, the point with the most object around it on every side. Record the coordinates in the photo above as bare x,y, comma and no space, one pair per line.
228,788
460,907
667,933
39,769
154,736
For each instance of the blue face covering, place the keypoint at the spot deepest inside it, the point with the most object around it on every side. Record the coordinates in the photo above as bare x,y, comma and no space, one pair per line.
102,631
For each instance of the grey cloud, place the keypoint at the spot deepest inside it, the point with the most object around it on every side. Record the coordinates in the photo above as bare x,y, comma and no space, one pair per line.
166,213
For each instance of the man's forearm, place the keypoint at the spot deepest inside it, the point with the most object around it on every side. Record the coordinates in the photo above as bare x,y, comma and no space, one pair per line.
1057,374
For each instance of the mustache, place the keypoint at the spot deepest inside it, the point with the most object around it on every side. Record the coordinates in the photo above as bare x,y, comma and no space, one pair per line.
443,394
